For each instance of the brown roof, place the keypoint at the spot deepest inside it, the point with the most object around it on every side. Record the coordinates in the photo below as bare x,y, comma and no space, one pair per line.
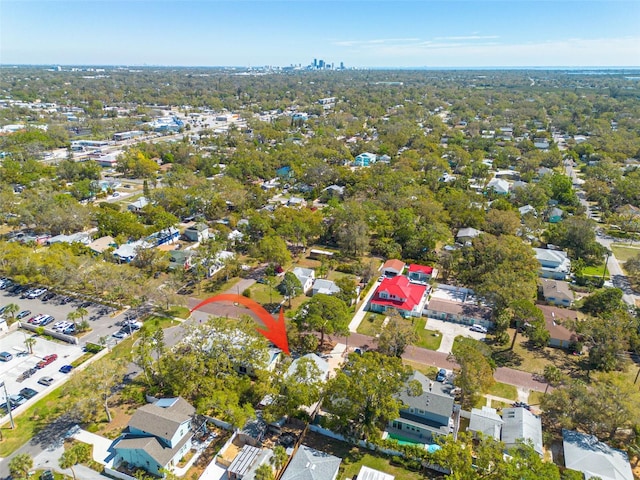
458,308
394,263
556,289
553,317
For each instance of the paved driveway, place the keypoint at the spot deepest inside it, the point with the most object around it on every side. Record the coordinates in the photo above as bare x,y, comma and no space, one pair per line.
450,331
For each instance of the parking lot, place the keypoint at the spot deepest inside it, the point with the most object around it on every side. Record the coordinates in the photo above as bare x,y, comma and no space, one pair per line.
12,370
100,318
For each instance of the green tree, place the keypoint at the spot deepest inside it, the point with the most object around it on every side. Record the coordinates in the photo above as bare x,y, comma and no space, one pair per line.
30,342
272,249
530,318
11,309
476,369
264,472
396,336
603,301
78,453
325,314
290,286
279,458
361,398
20,465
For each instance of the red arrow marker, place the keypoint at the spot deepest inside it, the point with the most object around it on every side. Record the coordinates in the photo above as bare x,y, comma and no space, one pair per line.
275,329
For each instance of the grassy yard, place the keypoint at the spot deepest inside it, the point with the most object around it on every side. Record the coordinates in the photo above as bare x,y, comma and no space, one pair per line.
353,458
262,294
429,339
155,322
371,324
533,360
504,390
596,271
535,398
178,311
624,253
426,370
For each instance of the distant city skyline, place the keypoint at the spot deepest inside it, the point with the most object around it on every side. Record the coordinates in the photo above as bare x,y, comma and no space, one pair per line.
359,33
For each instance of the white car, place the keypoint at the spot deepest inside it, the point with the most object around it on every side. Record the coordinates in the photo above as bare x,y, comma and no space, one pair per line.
478,328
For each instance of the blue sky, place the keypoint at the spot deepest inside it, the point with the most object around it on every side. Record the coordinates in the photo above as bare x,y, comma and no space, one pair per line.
360,33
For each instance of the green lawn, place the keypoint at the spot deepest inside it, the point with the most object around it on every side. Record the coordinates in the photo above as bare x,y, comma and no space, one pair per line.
426,370
535,398
624,253
503,390
595,271
262,294
429,339
353,458
178,311
371,324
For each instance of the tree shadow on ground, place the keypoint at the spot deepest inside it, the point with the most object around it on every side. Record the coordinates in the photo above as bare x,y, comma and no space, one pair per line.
507,358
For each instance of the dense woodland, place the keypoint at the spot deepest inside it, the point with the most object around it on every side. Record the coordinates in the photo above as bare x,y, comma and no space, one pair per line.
441,133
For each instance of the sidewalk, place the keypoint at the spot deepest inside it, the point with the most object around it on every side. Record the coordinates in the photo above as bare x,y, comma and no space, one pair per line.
359,315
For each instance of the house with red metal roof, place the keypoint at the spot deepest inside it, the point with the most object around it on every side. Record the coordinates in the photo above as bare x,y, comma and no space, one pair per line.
400,294
420,273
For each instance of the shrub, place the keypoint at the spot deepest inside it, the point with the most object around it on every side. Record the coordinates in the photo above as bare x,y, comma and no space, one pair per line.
246,293
93,348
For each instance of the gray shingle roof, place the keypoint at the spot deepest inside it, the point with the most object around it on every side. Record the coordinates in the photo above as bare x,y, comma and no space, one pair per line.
160,453
486,421
311,464
586,454
433,398
162,422
521,424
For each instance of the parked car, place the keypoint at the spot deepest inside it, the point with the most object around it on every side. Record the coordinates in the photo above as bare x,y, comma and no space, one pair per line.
120,334
46,475
442,374
36,292
478,328
28,393
23,314
65,369
48,296
85,305
16,400
46,381
46,360
5,356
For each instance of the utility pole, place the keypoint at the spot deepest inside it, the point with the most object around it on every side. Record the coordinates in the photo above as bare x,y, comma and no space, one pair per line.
6,395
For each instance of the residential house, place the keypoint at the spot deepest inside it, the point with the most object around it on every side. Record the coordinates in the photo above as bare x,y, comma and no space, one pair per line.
321,363
311,464
157,436
235,236
527,209
219,262
197,232
81,237
556,292
554,264
419,273
393,267
485,421
181,259
367,473
398,293
333,191
586,454
306,276
425,416
327,287
459,305
499,186
521,425
101,244
138,205
244,466
127,252
554,317
163,237
466,235
365,159
554,215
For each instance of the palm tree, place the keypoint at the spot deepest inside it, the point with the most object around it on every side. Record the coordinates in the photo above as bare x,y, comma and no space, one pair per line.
81,312
29,342
11,310
20,465
73,317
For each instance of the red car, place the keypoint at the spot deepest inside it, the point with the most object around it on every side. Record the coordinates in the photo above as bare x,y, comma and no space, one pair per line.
47,360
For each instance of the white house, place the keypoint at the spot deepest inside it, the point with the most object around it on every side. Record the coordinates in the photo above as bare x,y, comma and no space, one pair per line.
306,276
